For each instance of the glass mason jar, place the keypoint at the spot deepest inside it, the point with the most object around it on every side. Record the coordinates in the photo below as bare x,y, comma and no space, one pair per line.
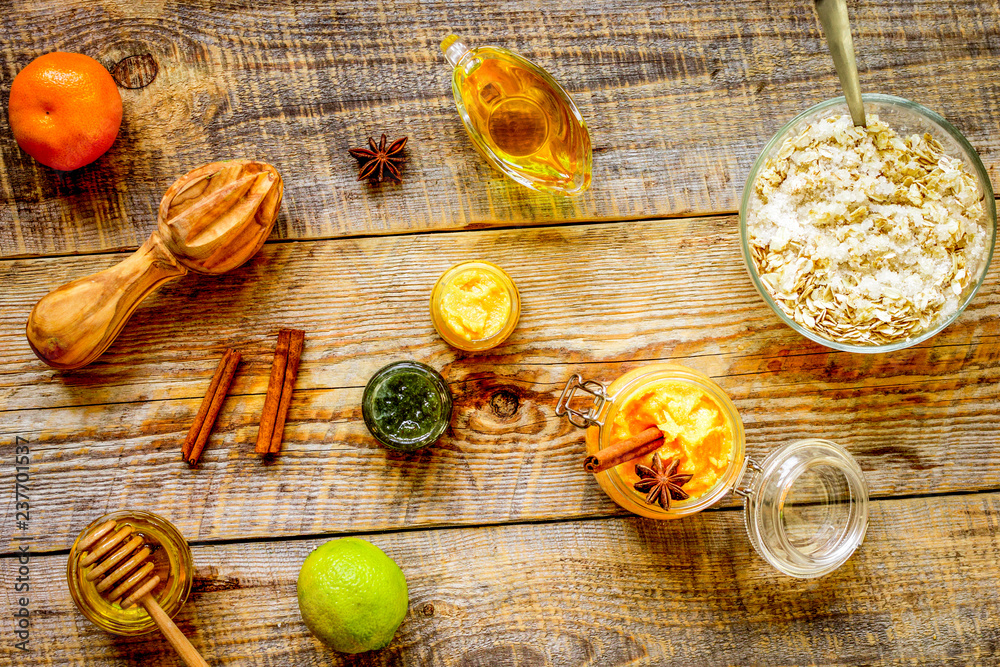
172,562
805,505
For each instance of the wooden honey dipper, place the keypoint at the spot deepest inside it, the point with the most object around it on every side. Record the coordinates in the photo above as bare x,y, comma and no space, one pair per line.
120,563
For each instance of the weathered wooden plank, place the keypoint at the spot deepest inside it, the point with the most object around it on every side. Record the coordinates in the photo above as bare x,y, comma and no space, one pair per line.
920,590
591,293
919,419
679,95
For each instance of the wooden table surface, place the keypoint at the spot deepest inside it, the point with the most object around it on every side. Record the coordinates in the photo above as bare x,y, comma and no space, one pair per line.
512,553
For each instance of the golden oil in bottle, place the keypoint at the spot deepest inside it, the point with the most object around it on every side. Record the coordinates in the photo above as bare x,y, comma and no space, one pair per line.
172,562
520,119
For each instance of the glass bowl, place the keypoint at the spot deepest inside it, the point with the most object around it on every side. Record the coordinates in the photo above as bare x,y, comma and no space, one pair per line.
906,118
172,562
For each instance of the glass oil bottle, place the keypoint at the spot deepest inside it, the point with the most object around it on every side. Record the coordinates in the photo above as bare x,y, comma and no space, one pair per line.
522,121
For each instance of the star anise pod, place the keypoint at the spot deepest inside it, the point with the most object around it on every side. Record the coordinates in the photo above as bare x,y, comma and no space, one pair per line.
379,162
661,482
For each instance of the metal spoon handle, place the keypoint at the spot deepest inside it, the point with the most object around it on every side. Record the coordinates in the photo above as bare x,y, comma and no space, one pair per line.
837,28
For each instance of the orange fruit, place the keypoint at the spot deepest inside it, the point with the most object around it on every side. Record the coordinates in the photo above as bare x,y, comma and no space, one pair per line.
64,110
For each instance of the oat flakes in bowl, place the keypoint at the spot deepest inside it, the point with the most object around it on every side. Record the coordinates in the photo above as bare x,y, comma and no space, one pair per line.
868,239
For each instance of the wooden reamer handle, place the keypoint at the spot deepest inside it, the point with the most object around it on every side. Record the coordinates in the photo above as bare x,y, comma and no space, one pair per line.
74,324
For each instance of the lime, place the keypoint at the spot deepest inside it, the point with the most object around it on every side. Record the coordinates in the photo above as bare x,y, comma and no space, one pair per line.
351,595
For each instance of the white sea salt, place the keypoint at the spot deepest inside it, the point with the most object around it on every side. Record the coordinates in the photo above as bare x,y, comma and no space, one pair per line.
864,236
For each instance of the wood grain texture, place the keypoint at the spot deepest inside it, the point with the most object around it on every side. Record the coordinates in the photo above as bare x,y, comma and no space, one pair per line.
917,420
921,590
680,96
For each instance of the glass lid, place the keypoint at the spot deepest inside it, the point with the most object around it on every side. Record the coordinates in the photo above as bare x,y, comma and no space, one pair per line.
806,507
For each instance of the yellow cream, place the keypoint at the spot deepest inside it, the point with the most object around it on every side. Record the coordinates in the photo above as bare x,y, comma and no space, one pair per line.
475,305
695,430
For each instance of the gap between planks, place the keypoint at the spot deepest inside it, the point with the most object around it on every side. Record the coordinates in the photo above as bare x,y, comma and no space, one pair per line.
418,232
526,365
421,232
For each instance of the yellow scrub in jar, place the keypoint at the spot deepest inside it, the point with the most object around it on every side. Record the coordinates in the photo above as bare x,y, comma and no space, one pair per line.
696,431
475,306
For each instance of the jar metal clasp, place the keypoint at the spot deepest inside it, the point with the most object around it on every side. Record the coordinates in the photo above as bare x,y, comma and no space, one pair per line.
588,417
748,481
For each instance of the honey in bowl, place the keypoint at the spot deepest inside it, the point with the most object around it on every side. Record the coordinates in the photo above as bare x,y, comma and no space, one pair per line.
171,561
520,119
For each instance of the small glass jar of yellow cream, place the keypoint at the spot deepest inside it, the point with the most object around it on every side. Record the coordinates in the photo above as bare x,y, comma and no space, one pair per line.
475,306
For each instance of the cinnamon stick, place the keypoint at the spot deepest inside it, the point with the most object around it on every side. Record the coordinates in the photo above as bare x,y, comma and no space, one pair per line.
199,417
291,372
284,370
631,448
273,397
208,411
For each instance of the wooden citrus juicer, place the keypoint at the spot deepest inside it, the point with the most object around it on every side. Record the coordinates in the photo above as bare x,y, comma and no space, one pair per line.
123,574
211,220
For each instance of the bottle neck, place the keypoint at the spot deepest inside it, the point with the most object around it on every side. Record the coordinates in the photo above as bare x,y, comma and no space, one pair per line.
454,50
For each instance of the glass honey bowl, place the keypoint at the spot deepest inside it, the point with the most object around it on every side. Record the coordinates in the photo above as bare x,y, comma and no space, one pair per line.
172,562
519,118
805,505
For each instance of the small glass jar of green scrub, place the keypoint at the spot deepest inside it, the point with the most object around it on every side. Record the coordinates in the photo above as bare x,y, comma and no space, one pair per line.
406,405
